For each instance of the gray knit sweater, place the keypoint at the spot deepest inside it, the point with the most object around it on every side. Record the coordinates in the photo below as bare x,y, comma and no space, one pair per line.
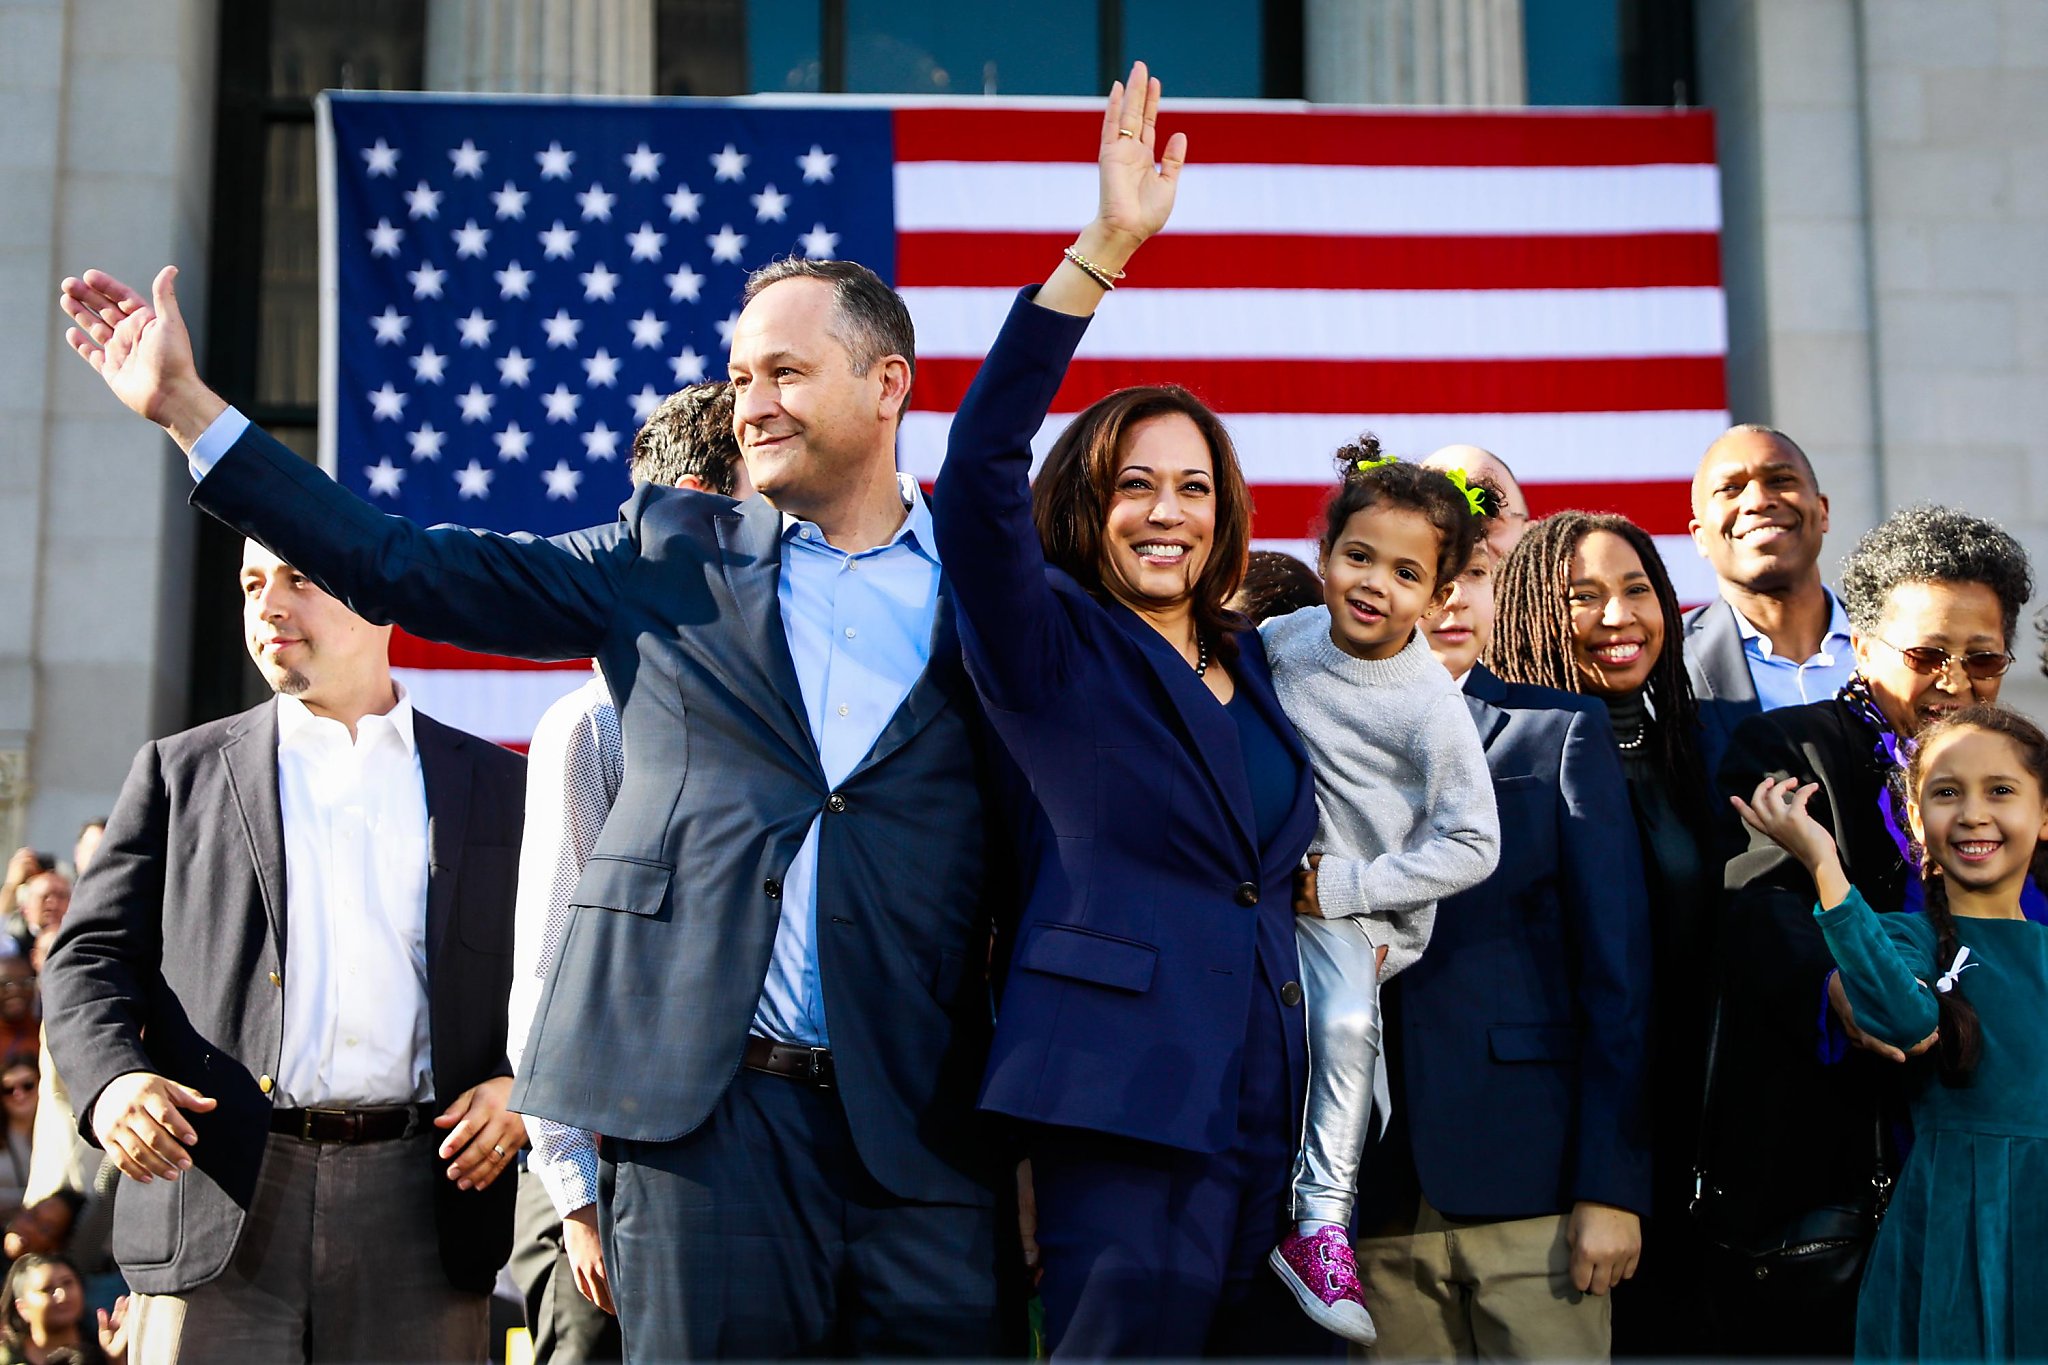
1404,805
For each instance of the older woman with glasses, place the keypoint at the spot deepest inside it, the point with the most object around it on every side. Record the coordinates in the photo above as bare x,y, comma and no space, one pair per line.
1801,1105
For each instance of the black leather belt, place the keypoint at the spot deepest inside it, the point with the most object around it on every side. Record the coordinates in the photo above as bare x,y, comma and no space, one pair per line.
382,1124
811,1065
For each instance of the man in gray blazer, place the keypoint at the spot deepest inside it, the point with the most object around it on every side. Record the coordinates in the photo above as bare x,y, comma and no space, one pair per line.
771,998
279,1003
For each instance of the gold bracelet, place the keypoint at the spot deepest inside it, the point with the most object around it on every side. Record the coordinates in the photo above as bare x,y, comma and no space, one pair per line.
1105,278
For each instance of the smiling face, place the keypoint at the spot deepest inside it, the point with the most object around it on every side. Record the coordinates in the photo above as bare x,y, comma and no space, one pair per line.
1162,513
17,989
1962,618
1617,623
18,1093
305,643
1758,516
1379,579
1460,633
813,433
1979,811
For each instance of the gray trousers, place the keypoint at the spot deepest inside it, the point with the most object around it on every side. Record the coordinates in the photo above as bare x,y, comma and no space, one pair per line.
567,1328
1341,992
339,1260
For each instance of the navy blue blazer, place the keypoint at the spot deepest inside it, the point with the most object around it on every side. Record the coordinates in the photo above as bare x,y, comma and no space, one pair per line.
1520,1038
1131,974
643,1022
1721,682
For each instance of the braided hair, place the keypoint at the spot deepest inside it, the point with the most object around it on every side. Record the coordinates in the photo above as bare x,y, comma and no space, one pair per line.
1369,479
1533,641
1961,1040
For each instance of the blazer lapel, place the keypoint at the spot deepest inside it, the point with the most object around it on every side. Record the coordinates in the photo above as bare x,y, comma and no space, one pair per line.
1207,728
750,534
1724,667
1484,691
445,768
942,680
250,757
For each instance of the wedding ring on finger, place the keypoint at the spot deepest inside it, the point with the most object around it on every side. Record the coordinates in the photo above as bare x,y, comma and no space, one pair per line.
1126,132
499,1150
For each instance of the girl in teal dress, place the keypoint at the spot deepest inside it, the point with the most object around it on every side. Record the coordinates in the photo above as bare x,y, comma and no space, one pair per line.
1960,1267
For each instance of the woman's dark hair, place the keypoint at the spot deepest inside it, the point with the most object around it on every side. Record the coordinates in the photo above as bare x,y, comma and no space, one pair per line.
1957,1052
13,1327
1276,584
1934,545
1533,641
1430,492
1071,498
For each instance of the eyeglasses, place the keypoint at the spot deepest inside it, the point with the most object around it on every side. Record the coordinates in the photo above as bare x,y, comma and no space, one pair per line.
1929,660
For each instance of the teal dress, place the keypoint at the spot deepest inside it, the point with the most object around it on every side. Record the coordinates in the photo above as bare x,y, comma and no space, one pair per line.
1960,1269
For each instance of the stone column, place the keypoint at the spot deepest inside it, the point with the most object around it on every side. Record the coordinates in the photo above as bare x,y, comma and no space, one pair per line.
1455,52
541,47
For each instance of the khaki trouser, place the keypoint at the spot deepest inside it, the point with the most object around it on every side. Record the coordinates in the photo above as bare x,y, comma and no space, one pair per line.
1484,1291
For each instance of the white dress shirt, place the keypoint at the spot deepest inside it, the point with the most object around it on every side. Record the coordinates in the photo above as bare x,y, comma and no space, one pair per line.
574,765
355,960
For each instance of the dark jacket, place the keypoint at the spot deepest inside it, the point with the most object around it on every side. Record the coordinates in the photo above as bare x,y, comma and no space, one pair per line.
642,1025
1721,682
166,963
1789,1132
1125,1002
1519,1041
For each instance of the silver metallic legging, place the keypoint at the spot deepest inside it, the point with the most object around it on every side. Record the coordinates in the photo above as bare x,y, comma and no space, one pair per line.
1340,988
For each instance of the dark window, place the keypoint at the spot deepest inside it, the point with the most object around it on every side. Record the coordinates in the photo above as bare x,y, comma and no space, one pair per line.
701,46
1595,52
263,305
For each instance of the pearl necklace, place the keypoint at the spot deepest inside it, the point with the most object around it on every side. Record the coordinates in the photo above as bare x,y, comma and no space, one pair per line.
1636,742
1201,655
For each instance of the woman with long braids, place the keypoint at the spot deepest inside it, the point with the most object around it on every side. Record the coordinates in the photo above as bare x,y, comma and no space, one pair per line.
1957,1269
1808,1102
1586,606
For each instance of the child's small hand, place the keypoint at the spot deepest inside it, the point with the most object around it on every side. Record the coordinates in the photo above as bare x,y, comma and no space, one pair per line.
1305,899
1777,810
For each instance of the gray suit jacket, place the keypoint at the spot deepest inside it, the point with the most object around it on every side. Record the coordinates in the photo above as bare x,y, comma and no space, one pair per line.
166,964
1719,669
643,1023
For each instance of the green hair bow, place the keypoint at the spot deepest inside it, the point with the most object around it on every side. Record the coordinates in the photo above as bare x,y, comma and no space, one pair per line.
1364,465
1476,495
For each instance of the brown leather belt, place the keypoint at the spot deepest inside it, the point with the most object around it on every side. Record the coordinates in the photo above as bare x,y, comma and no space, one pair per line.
811,1065
383,1124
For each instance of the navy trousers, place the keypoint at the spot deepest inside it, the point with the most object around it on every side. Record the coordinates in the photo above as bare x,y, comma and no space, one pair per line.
762,1235
1153,1251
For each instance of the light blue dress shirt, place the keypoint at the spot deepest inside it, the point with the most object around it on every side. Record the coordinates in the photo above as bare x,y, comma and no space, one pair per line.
1782,681
860,634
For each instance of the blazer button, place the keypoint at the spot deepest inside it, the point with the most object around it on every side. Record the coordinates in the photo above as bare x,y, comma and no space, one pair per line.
772,889
835,803
1290,994
265,1084
1247,893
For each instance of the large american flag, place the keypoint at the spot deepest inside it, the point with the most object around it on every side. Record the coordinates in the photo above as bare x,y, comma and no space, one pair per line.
510,285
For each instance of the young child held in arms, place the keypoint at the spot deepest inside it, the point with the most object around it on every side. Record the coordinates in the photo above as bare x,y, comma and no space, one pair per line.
1405,817
1958,1269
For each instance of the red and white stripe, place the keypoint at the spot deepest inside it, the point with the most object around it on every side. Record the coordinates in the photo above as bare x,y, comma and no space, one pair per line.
1546,285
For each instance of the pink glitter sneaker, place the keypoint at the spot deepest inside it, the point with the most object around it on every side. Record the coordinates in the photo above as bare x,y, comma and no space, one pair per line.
1320,1273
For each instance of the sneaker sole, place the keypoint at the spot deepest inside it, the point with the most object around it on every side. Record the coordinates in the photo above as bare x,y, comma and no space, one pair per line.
1321,1314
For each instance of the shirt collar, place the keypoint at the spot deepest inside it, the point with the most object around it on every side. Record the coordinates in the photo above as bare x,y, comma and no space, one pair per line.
1838,627
915,532
296,721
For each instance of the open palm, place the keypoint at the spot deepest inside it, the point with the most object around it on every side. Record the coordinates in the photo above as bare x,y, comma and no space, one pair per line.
139,346
1137,194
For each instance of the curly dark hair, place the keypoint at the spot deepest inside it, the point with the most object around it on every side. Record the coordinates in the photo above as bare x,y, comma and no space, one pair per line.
1415,488
1960,1044
1533,641
1276,583
689,435
1934,545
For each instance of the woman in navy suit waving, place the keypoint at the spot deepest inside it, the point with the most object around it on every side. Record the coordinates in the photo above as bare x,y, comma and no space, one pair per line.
1150,1033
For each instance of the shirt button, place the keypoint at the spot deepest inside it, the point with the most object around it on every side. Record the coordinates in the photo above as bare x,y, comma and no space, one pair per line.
1290,994
835,803
849,632
351,1042
1247,893
772,889
844,708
